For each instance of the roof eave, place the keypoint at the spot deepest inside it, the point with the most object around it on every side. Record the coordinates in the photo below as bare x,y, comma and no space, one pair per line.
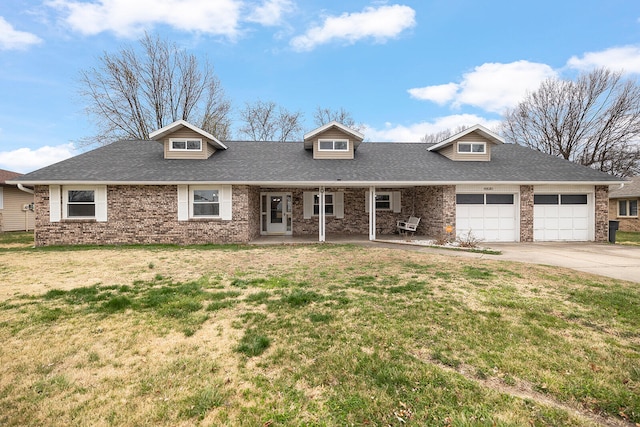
170,128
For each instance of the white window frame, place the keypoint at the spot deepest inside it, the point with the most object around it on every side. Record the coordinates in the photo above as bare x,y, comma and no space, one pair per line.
333,145
186,144
471,145
628,208
99,201
388,194
185,202
193,202
332,204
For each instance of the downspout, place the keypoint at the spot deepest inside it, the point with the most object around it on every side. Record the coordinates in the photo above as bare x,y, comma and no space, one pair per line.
25,189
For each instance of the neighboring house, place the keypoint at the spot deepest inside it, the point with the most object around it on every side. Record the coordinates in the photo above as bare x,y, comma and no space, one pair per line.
16,206
185,186
623,205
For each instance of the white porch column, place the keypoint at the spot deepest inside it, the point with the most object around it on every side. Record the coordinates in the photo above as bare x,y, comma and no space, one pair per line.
321,215
372,213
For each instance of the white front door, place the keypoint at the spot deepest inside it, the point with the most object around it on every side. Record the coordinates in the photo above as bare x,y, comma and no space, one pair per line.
276,213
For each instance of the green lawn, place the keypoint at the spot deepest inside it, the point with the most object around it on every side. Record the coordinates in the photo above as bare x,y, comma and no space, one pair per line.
628,237
318,335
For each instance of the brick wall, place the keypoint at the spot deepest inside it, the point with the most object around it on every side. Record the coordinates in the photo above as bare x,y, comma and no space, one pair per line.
626,224
148,214
602,213
526,213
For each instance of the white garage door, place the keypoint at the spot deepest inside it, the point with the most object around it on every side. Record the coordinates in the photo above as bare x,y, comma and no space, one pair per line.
488,217
561,217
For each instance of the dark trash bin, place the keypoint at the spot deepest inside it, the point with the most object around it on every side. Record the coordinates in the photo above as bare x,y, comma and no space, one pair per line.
613,227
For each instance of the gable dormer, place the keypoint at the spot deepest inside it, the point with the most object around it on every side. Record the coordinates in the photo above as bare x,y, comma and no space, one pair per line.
182,140
333,141
471,145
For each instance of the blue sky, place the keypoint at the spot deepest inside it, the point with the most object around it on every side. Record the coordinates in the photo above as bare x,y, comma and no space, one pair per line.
402,68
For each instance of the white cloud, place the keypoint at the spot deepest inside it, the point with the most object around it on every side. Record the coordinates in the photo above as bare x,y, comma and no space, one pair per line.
440,94
25,160
10,38
380,24
271,12
626,58
128,18
414,132
491,86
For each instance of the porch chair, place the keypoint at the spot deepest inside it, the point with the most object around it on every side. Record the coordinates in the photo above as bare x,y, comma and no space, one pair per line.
409,225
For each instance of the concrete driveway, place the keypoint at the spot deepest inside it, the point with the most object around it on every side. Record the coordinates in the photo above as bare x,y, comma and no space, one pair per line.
617,261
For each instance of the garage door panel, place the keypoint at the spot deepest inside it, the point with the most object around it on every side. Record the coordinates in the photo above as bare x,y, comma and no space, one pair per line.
563,222
490,222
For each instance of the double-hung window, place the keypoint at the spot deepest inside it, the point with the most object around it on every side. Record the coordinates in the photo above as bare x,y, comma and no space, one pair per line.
81,203
628,208
471,147
383,201
205,203
328,204
184,144
333,145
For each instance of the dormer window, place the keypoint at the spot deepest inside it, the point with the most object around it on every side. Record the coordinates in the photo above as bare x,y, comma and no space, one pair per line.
471,147
333,145
182,144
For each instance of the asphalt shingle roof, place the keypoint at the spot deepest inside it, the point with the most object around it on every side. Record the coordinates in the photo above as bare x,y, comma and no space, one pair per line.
630,189
263,162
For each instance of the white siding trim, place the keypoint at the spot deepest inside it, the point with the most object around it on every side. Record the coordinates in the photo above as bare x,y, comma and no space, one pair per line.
183,203
55,206
226,202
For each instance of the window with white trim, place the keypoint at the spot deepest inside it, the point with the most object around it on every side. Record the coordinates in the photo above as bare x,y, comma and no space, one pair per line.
80,203
384,201
471,147
328,204
628,208
333,145
205,203
185,144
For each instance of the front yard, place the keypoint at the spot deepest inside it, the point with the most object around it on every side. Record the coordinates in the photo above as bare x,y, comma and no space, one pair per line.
310,335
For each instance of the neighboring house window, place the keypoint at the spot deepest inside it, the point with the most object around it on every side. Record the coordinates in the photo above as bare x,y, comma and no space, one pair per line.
185,144
206,203
81,203
471,147
333,145
328,204
628,208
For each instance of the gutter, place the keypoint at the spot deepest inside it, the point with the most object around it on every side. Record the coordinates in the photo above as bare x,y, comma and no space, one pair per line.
25,189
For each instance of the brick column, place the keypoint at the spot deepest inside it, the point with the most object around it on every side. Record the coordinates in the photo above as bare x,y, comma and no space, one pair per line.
602,213
526,213
449,209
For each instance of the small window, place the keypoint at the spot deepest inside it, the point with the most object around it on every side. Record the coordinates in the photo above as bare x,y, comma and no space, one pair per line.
499,199
383,201
333,145
471,147
470,199
573,199
328,204
81,204
628,208
186,145
206,203
545,199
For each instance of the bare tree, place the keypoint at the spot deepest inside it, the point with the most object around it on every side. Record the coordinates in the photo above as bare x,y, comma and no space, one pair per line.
434,138
266,121
594,121
136,91
322,116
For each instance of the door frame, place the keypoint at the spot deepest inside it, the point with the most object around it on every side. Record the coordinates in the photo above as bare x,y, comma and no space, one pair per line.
287,213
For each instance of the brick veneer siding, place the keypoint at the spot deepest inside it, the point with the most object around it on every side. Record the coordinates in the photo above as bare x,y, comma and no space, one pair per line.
526,213
148,214
602,213
626,224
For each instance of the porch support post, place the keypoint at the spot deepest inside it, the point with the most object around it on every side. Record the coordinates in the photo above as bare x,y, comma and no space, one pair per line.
321,215
372,213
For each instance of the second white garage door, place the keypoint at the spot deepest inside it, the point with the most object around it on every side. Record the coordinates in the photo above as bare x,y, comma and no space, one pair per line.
562,217
488,217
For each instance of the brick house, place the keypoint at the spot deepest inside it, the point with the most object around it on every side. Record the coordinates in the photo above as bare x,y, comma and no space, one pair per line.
623,205
184,186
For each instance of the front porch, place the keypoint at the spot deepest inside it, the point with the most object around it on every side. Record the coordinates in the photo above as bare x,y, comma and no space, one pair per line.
343,239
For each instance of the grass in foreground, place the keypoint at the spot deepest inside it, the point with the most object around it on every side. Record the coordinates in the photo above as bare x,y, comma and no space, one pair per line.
326,335
628,237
